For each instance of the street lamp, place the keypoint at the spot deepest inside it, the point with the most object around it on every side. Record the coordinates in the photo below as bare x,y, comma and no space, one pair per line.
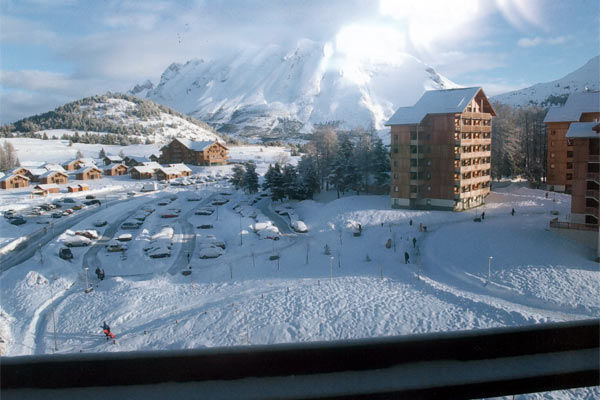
489,268
330,268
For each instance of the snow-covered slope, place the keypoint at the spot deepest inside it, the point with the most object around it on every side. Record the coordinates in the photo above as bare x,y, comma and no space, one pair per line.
279,91
119,114
556,92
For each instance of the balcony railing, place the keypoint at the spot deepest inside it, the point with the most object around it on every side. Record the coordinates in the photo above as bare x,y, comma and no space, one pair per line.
475,128
592,193
555,223
593,158
476,115
591,211
593,176
472,193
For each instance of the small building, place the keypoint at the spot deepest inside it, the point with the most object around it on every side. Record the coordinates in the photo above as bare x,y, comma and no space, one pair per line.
110,159
115,169
13,181
154,157
141,172
89,173
83,187
72,165
55,177
47,189
194,152
34,174
152,164
132,161
183,169
167,173
18,171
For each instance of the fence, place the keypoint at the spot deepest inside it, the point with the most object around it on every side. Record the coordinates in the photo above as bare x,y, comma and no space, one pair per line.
555,223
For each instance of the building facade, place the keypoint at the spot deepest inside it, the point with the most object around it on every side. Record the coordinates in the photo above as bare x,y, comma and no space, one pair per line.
441,151
194,153
14,181
579,107
89,173
54,177
115,169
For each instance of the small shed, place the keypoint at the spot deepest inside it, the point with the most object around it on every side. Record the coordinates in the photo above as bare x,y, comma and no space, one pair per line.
89,173
14,181
141,172
47,189
73,188
55,177
115,169
83,188
167,173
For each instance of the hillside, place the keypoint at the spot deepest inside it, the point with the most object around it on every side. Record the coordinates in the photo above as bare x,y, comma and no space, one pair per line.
118,117
556,92
279,92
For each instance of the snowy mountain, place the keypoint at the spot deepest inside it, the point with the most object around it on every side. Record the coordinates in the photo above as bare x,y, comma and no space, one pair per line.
277,91
119,114
556,92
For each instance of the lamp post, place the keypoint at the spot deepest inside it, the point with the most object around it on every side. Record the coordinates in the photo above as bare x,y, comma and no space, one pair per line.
489,268
330,268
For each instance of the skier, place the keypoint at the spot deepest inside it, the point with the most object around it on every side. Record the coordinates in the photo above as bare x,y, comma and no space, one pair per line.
483,215
107,331
414,242
512,212
406,257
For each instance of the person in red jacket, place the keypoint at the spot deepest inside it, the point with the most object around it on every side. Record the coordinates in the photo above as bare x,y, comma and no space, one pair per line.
107,331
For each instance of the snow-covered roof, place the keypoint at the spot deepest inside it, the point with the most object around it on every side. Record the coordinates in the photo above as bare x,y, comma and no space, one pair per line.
582,130
51,172
37,171
194,145
152,164
53,167
143,169
113,159
13,170
88,161
87,169
434,102
47,186
112,165
180,167
170,170
139,159
576,104
10,176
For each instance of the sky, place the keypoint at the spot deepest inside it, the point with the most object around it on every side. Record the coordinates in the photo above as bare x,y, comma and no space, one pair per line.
56,51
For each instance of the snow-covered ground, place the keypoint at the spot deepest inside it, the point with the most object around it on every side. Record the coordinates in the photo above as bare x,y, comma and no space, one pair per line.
249,296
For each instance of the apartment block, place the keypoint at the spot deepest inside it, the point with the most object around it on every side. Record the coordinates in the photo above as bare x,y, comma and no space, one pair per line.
441,150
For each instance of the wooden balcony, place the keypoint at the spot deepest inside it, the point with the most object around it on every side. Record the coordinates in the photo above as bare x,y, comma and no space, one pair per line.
593,176
475,154
476,115
591,211
592,193
476,128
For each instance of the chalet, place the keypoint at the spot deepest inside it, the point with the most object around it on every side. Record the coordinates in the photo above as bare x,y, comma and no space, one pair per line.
53,167
152,164
34,174
77,188
89,173
115,169
132,161
72,165
441,150
579,107
57,177
13,181
141,172
194,153
83,187
47,189
183,169
109,159
167,173
154,157
18,171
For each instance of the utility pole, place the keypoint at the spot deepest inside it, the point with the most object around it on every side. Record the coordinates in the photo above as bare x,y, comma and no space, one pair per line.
241,240
489,268
330,268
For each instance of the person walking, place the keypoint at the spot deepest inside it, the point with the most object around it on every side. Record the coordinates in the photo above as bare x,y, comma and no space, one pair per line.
512,212
410,222
406,257
483,215
414,242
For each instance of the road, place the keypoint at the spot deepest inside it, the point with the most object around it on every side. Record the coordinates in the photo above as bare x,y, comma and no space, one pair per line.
279,221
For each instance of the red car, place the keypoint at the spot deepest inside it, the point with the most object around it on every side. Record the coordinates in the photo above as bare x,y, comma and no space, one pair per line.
169,216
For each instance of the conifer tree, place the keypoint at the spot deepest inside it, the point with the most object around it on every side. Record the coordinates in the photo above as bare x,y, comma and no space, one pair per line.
237,179
251,178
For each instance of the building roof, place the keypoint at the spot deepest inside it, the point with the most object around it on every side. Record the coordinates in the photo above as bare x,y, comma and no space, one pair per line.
139,159
113,165
194,145
114,159
445,101
576,104
47,186
13,170
37,171
52,172
582,130
143,169
170,170
180,167
10,176
152,164
54,167
87,169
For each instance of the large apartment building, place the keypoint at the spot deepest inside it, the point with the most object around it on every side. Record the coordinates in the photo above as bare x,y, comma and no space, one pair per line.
579,107
194,153
441,150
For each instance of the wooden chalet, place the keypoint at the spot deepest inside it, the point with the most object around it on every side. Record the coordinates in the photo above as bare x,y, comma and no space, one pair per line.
89,173
34,174
115,169
132,161
141,172
183,169
55,177
18,171
167,173
14,181
46,189
77,188
72,165
108,159
154,157
194,153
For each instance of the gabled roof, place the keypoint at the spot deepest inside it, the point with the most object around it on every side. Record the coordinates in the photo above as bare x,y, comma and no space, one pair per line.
113,165
52,172
143,169
53,167
180,167
46,186
152,164
169,170
10,176
37,171
576,104
87,169
582,130
139,159
198,145
112,158
447,101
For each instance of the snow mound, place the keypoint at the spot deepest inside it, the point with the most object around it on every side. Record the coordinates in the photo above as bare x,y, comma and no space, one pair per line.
34,278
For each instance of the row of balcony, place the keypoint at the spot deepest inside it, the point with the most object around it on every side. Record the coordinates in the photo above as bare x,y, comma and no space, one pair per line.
593,194
471,193
473,154
473,128
470,168
476,115
593,176
473,141
473,180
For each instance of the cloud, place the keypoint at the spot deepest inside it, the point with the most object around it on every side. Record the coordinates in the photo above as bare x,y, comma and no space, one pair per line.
532,42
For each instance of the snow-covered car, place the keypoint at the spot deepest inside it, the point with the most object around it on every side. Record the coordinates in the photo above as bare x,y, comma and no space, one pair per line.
139,217
211,240
68,200
8,214
205,211
68,211
77,241
270,232
159,252
149,187
163,203
194,199
131,225
205,226
125,237
210,252
169,215
114,247
100,223
57,215
88,233
299,226
219,201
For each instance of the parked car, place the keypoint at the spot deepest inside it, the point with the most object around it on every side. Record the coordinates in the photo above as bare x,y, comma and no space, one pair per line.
18,221
115,247
299,226
77,207
56,215
77,241
99,223
90,197
159,252
65,253
131,225
68,200
125,237
91,202
194,198
219,201
57,204
8,214
210,252
163,203
170,215
68,211
89,233
205,226
205,211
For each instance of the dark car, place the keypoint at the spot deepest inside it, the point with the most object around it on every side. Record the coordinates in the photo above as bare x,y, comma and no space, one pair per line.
56,215
68,200
90,197
91,202
18,221
65,253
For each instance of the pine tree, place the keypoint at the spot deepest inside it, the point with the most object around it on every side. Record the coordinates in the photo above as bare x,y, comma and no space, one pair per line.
344,175
308,177
237,179
79,154
289,180
121,154
102,153
380,163
251,178
274,182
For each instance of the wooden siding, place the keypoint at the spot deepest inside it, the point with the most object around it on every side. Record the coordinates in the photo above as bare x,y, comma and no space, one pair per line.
14,182
176,152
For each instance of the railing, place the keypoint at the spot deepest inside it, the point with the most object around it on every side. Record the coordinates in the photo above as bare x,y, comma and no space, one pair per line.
468,364
593,158
472,193
593,176
476,115
591,211
555,223
592,193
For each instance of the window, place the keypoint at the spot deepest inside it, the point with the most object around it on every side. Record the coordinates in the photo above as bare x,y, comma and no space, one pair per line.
395,176
553,132
428,188
428,176
428,162
551,165
395,163
569,165
395,150
395,188
569,154
569,177
551,155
